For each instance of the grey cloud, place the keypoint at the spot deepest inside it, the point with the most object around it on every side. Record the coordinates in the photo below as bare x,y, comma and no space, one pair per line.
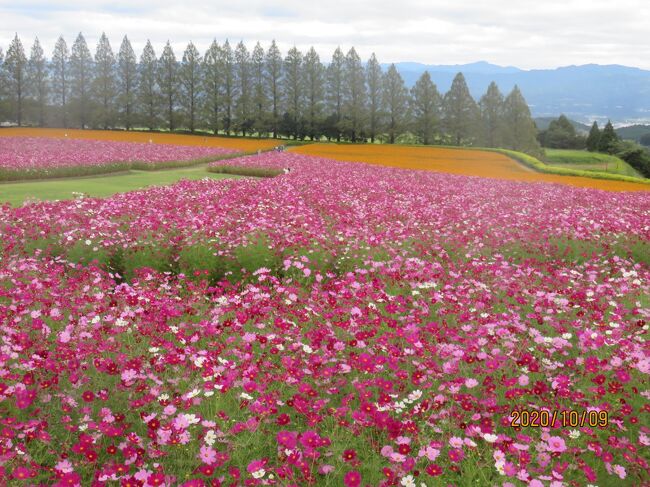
526,34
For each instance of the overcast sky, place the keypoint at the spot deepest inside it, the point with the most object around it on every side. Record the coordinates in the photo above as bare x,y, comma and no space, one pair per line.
523,33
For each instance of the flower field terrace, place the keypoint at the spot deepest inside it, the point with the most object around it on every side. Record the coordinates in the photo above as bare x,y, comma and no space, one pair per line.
22,157
469,162
237,144
348,325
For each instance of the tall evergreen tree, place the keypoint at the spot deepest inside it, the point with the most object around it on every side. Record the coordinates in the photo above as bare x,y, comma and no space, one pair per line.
314,91
374,78
2,83
260,100
168,82
354,105
491,108
460,113
148,94
190,77
60,77
15,67
273,63
561,134
213,86
37,80
104,83
593,139
81,73
292,82
335,90
608,139
127,73
243,82
229,89
520,129
425,103
396,101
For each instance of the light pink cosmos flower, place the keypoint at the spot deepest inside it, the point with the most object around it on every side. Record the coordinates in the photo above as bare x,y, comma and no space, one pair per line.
556,444
207,455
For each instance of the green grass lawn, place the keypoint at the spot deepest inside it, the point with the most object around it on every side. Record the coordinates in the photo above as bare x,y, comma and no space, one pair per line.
589,161
99,186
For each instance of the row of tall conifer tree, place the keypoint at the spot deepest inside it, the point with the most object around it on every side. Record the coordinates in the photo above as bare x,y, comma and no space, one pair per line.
235,91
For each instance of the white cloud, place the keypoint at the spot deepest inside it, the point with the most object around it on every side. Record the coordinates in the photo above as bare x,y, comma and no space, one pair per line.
528,34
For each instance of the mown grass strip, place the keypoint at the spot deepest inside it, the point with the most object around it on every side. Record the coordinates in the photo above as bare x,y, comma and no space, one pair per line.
98,186
539,166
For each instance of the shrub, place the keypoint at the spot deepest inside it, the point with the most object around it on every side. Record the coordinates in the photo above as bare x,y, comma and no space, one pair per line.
86,253
259,172
49,246
149,256
199,261
256,255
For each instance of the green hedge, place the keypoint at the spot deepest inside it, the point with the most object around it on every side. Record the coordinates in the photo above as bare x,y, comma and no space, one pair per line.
259,172
539,166
62,172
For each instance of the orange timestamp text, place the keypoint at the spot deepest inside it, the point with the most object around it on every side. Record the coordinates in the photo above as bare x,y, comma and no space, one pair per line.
566,419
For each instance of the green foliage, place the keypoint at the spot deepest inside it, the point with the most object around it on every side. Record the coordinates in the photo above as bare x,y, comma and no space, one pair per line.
565,249
255,255
491,108
395,100
200,261
149,255
460,112
426,105
61,172
608,139
635,155
645,140
44,247
561,134
593,139
259,172
86,253
519,129
81,76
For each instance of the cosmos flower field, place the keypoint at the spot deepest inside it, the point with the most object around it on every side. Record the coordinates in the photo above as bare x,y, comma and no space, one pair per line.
340,324
44,156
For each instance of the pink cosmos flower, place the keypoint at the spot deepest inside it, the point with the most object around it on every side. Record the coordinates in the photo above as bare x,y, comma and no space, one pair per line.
556,444
455,442
456,455
352,479
288,439
207,455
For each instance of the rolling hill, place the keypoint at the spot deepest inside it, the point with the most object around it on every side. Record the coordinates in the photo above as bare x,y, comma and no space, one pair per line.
583,93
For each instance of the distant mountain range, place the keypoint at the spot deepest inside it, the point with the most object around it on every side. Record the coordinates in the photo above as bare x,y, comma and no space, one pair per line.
583,93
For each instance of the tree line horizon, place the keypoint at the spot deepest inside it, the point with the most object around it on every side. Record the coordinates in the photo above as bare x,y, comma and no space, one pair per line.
235,91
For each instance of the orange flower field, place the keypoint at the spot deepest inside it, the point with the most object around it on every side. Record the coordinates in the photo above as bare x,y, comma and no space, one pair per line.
237,143
469,162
